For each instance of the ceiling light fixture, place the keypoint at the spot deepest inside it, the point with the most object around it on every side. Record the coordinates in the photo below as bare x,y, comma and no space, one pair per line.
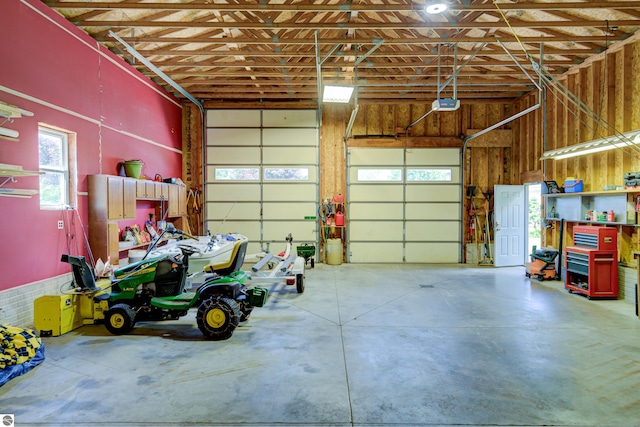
623,140
340,94
435,7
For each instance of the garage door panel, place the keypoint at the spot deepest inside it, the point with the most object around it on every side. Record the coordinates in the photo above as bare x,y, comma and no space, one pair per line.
235,137
293,192
376,230
433,156
289,118
282,210
233,118
250,229
442,252
376,210
372,157
289,155
433,230
431,211
220,210
295,137
301,231
433,193
233,155
376,193
380,252
233,192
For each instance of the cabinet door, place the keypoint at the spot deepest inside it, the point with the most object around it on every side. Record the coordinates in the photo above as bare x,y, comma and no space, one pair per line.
129,200
174,201
112,243
141,190
177,200
182,200
115,197
161,191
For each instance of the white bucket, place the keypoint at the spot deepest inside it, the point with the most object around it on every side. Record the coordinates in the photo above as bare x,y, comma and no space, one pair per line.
136,255
334,251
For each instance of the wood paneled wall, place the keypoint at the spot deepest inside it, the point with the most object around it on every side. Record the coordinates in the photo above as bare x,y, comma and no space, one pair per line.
609,85
489,159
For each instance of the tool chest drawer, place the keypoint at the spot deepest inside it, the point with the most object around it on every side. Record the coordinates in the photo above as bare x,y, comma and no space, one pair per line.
578,263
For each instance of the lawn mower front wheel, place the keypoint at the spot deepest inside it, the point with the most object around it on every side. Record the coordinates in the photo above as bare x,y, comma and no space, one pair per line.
218,317
120,319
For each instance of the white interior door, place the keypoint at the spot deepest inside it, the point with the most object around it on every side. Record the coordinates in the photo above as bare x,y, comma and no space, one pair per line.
509,225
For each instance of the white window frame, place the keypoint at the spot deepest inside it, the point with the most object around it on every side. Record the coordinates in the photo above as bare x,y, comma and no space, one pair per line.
66,171
267,178
216,178
363,178
409,170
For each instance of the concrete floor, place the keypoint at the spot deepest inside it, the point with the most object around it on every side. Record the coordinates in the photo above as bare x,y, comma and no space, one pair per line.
365,345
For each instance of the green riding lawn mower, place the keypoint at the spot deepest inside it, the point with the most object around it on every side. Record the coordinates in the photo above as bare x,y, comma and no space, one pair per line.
155,288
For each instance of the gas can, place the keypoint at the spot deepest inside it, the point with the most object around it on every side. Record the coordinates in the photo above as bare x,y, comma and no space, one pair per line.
610,216
339,217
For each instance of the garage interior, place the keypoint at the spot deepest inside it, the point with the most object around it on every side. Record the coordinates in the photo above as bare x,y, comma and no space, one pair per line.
427,179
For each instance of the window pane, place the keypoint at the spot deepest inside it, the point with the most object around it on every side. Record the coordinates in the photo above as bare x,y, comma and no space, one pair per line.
237,174
286,174
51,149
379,175
52,189
428,175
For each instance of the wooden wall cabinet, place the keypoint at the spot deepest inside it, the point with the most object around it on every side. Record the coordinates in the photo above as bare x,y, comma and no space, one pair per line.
113,198
146,189
177,200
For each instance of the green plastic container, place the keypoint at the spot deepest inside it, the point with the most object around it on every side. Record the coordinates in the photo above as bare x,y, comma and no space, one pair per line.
132,168
258,296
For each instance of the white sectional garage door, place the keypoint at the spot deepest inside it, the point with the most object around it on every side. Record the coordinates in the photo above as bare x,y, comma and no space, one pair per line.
404,205
262,175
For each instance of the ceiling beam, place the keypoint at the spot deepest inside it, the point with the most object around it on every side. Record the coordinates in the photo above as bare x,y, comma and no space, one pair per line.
386,53
282,41
307,7
578,23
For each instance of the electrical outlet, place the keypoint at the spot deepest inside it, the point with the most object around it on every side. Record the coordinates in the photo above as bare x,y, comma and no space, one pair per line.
60,225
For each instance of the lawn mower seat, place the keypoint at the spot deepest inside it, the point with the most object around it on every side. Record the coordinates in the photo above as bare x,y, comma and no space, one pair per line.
82,274
235,261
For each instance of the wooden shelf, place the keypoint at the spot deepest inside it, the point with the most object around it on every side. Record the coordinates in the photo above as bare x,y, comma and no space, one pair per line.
594,193
10,172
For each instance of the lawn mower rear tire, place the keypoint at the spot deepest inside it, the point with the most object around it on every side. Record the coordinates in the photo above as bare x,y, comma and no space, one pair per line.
218,317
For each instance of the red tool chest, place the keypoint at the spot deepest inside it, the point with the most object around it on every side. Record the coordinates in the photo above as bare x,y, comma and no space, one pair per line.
591,265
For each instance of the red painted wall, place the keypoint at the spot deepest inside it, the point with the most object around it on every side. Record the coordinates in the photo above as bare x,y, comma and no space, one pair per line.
59,73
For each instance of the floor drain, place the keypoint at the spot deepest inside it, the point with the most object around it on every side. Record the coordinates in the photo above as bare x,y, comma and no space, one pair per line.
426,286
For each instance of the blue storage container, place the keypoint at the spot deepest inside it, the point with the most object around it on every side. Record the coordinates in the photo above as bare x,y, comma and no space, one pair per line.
573,186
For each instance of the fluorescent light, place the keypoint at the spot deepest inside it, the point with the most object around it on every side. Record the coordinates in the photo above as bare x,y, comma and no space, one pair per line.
337,93
435,7
623,140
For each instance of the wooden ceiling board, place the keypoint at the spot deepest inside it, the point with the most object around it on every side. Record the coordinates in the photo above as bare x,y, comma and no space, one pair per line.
256,51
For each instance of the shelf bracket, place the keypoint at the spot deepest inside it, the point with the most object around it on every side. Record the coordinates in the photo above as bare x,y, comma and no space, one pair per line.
8,179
